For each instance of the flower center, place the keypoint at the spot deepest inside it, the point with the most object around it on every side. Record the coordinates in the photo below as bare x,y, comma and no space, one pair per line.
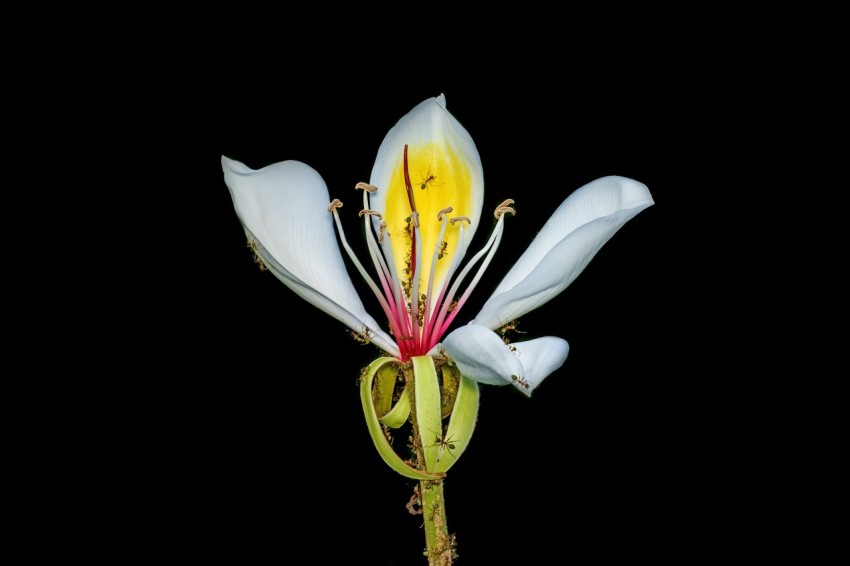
416,247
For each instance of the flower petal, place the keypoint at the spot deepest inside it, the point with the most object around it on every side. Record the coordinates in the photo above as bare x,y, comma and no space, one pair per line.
445,171
284,207
481,355
539,358
562,249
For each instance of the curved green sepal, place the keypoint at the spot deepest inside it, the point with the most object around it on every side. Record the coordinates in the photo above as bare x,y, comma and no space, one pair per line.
427,399
461,424
381,444
399,413
383,388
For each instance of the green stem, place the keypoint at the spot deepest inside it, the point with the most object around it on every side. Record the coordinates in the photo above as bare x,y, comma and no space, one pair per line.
439,544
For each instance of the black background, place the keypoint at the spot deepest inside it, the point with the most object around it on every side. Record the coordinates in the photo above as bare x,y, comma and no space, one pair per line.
254,442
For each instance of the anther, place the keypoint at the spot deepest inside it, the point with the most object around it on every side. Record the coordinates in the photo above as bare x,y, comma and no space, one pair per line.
443,213
335,203
459,218
504,207
366,211
366,187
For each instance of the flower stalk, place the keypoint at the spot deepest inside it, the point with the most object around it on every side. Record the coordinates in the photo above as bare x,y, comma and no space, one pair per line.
430,447
439,544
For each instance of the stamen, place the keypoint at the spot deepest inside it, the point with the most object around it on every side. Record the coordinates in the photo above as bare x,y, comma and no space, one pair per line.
451,308
398,292
366,187
457,219
504,208
388,311
439,249
369,212
414,216
386,273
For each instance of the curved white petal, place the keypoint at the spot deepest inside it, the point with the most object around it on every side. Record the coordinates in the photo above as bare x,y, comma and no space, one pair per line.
539,358
439,148
284,207
481,355
374,335
562,249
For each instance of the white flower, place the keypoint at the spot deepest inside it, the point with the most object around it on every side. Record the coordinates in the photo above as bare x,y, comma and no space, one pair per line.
421,208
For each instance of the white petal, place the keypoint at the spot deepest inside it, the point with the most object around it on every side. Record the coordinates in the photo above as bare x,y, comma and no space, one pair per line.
430,124
374,335
481,355
284,206
562,249
539,358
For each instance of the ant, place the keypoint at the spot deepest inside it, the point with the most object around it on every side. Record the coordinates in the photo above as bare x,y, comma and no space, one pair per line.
520,382
255,247
510,327
363,337
427,180
443,442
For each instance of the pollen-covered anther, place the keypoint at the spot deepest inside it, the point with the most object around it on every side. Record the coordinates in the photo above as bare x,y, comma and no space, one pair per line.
366,211
443,213
504,207
366,187
459,218
414,216
335,203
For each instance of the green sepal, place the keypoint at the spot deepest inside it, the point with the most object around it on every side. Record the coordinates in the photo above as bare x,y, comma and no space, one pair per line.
427,400
390,415
461,423
381,444
383,389
399,413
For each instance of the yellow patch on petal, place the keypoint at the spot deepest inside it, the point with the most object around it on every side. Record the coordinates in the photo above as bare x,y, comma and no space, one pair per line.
440,178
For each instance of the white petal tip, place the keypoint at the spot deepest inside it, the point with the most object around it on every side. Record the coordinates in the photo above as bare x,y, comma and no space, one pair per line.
234,166
634,193
540,358
441,100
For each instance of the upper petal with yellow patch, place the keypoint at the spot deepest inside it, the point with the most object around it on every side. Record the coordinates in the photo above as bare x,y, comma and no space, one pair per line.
445,171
